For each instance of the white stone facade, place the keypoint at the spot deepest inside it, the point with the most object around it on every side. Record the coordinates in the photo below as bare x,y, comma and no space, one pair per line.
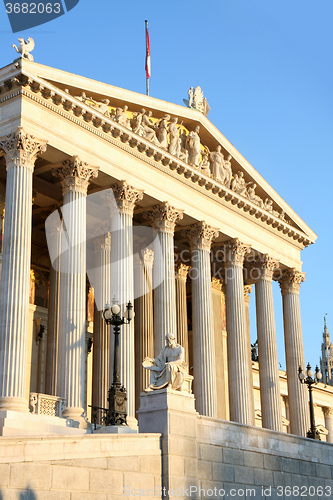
210,228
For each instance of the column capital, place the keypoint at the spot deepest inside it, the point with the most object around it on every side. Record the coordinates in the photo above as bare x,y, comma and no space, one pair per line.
217,284
235,251
247,293
266,266
21,148
164,217
201,236
327,411
181,271
291,281
103,242
75,175
126,197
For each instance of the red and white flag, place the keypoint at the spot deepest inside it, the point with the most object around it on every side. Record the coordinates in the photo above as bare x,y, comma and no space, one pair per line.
147,66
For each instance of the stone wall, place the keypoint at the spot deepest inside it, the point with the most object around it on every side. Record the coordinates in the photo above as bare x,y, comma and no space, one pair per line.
90,467
205,457
266,463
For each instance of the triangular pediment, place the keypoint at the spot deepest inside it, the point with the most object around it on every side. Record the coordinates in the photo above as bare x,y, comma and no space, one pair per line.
248,189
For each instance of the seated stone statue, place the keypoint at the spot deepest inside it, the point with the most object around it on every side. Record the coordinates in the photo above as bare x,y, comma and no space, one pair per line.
169,368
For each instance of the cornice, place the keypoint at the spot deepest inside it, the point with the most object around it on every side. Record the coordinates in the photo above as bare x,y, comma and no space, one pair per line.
95,122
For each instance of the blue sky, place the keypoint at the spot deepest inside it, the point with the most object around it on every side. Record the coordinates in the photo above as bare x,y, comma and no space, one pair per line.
266,70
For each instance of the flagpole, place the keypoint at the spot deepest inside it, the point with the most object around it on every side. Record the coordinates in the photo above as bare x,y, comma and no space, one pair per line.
147,79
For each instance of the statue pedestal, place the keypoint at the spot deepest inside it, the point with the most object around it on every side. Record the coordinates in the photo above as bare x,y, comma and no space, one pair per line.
172,414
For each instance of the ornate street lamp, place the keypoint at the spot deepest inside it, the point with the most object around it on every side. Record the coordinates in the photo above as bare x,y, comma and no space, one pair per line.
116,414
309,381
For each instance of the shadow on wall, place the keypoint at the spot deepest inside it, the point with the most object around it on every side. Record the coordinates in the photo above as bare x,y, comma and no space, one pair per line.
26,494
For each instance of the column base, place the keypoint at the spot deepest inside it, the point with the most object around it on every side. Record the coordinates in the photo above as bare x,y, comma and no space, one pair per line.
78,415
14,404
13,423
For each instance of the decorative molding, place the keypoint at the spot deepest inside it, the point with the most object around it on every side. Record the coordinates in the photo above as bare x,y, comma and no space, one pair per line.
21,149
291,281
164,217
75,175
201,236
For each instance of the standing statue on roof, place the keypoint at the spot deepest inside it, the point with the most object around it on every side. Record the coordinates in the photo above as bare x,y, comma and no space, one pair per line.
25,47
197,100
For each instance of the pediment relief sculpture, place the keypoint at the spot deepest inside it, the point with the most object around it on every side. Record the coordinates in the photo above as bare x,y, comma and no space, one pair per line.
185,145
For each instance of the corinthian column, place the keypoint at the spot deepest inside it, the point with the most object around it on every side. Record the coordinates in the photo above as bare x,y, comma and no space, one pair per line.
297,393
240,384
75,176
53,315
21,151
181,307
122,286
268,359
201,236
164,218
143,321
101,352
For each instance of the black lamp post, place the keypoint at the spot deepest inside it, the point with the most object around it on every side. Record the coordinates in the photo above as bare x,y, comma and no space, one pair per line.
309,381
116,414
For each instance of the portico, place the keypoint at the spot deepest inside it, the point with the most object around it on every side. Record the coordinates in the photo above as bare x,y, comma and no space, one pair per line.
207,228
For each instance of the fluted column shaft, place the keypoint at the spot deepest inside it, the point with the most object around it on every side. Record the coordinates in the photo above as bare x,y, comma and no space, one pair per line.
297,392
52,354
328,414
164,219
181,307
21,151
268,358
201,236
122,285
102,341
143,321
240,392
75,176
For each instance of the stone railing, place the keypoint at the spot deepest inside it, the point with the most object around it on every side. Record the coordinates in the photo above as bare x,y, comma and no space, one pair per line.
44,404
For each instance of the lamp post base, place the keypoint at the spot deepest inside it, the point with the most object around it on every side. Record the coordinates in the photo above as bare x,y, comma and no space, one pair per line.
313,435
117,398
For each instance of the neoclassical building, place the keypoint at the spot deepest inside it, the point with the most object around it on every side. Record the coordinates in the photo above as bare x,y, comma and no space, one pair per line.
106,192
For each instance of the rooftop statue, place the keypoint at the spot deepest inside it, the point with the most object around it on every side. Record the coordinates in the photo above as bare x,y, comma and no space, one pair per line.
169,368
197,100
25,47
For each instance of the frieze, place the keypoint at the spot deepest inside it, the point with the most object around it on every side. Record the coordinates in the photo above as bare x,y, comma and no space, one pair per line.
265,214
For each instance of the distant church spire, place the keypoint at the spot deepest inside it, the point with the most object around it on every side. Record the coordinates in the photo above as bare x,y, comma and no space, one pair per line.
326,360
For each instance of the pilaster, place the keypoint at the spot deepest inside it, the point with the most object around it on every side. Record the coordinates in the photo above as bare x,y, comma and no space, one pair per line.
143,321
328,415
181,273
